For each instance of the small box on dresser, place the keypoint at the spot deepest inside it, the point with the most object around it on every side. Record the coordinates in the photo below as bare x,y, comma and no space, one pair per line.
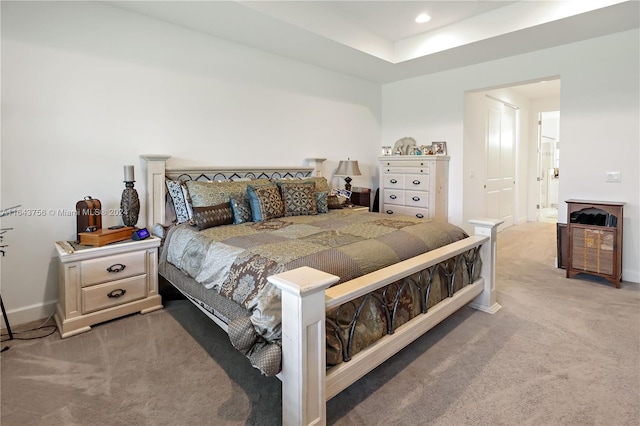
98,284
415,185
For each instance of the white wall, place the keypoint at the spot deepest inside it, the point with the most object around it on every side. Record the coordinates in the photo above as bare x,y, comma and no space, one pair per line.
87,88
599,126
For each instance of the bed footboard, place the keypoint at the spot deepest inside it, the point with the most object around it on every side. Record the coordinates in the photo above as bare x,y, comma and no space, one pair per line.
306,384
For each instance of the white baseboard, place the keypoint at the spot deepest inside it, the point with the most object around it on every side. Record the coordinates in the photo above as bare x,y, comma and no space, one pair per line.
29,313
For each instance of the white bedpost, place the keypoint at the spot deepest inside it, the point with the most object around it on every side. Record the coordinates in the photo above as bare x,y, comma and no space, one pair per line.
155,188
486,301
303,345
316,163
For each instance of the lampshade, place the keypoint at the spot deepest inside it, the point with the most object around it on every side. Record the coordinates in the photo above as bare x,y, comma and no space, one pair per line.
348,168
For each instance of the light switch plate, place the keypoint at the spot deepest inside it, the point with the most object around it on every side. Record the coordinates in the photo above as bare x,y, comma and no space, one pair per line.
613,176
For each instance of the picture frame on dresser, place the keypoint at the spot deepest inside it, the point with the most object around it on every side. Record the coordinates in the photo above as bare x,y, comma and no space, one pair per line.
439,148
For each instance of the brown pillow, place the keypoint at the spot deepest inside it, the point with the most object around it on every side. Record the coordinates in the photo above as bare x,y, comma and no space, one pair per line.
333,202
265,201
207,217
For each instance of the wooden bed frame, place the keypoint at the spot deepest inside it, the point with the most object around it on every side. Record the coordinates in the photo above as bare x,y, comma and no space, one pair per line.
306,383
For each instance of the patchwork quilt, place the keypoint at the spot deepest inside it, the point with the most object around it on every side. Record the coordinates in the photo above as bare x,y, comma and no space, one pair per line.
235,260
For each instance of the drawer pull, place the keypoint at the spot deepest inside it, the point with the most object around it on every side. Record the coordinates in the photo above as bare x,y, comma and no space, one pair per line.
114,294
116,267
420,216
416,182
393,197
389,211
416,198
393,181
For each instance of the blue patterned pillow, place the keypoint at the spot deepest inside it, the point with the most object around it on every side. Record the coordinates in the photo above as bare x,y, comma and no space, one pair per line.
265,201
241,210
322,202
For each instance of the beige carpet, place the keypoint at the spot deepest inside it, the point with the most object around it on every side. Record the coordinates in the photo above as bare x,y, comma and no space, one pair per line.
559,352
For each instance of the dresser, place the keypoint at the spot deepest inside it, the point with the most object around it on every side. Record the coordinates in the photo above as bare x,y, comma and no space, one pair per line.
415,185
98,284
594,231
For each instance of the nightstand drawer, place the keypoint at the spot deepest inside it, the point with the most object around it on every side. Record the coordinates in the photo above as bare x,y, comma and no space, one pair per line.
111,268
104,296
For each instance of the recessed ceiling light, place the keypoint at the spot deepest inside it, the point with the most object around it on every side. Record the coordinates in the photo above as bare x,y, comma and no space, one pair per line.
422,18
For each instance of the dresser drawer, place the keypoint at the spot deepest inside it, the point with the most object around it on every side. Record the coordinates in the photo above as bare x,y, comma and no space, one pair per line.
102,296
112,268
394,196
391,210
416,199
416,182
393,181
413,164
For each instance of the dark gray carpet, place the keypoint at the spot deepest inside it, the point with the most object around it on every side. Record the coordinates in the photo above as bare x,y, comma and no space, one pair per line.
559,352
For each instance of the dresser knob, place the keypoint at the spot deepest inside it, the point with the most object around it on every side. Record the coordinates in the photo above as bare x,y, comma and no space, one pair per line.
420,216
416,198
393,197
117,267
114,294
389,211
416,182
393,181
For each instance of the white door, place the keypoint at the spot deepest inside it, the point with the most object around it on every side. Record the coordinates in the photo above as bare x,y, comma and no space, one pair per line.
500,152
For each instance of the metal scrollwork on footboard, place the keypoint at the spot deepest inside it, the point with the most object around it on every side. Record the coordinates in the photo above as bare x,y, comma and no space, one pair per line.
361,321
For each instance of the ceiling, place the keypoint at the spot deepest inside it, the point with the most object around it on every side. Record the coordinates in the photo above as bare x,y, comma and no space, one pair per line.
379,40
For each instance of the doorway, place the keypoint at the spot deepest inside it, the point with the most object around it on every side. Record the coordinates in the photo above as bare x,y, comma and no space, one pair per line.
548,166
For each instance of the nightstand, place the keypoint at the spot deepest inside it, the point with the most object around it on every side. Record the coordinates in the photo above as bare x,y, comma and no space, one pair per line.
361,198
98,284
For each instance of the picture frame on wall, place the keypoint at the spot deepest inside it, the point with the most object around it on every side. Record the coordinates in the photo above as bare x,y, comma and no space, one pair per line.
439,148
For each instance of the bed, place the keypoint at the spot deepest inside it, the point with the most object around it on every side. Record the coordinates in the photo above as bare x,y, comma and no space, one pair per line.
316,298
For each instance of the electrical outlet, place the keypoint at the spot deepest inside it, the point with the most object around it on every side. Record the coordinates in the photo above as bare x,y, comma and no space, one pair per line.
613,177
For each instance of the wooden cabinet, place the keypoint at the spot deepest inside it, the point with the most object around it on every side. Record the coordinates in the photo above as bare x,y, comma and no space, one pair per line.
98,284
594,231
361,197
415,185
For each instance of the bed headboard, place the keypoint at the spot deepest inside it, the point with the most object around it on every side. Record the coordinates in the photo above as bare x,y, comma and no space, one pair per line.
157,172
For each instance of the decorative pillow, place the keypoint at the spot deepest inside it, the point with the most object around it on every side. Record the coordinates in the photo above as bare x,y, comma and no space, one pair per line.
241,209
321,182
321,202
204,194
333,202
299,198
265,201
181,203
207,217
